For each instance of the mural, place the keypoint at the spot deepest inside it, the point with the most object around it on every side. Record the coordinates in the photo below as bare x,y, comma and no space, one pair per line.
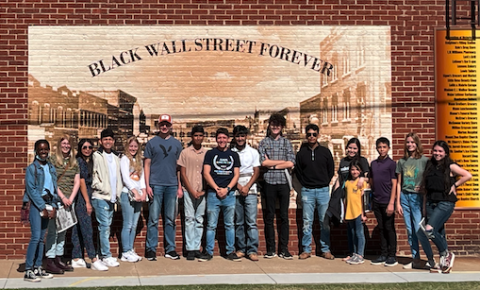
85,79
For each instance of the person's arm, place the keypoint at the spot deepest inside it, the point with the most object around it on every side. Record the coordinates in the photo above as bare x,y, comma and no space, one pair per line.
246,188
34,192
330,166
179,187
208,177
399,190
84,192
393,197
76,187
465,176
125,172
146,168
186,182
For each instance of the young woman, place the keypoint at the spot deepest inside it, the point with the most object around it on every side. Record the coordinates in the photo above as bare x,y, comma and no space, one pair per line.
440,181
354,151
133,194
82,232
41,192
355,214
68,180
410,202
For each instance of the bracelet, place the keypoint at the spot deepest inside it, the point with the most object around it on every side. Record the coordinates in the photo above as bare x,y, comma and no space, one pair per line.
455,184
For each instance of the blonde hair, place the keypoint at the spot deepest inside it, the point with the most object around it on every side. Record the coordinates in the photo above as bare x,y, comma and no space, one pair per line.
418,152
137,163
59,154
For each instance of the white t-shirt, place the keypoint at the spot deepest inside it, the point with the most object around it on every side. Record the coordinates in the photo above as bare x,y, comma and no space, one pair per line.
112,171
249,158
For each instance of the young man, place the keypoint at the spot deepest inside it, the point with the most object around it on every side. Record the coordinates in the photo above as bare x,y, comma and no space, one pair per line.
276,154
191,167
314,170
383,181
246,195
107,186
163,186
221,170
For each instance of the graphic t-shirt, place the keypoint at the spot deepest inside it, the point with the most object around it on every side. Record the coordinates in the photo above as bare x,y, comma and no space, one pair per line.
354,199
164,154
412,172
222,164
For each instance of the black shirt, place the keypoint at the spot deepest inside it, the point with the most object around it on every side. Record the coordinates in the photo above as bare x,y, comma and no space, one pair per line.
314,168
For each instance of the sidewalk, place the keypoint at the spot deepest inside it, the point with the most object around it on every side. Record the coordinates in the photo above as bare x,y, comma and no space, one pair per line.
222,271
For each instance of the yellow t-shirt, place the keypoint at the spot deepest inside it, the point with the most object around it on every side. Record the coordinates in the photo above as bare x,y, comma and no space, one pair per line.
354,194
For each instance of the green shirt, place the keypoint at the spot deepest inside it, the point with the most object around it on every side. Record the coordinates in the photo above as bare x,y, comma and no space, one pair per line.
412,172
65,182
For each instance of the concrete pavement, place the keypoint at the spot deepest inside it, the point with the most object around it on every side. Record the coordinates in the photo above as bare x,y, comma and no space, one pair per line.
222,271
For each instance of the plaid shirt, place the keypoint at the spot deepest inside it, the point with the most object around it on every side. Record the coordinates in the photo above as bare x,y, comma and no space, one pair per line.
280,149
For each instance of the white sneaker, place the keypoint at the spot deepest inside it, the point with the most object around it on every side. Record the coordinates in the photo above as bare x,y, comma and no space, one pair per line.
135,255
110,262
99,266
80,263
129,257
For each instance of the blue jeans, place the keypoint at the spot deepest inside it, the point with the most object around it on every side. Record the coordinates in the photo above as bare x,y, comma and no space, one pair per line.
168,196
104,216
214,205
194,215
130,214
412,204
246,215
38,227
320,198
437,215
356,236
55,241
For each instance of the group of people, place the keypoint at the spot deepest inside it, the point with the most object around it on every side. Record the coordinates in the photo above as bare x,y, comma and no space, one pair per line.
226,179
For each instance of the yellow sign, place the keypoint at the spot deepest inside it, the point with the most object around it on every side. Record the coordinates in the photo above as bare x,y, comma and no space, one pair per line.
456,85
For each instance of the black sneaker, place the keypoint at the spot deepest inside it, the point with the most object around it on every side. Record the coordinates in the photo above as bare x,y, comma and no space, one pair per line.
31,277
190,255
286,255
205,258
390,262
198,254
172,255
233,257
151,256
40,273
270,255
379,261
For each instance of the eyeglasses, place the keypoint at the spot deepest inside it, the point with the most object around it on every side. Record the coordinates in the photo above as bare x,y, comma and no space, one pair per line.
312,134
87,147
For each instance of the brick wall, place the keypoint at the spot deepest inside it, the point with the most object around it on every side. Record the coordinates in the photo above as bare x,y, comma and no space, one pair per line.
412,27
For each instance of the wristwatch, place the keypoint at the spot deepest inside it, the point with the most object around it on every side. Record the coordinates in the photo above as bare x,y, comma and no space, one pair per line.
228,189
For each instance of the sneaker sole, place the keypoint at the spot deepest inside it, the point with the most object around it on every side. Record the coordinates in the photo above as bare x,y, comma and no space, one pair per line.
130,261
151,259
391,265
204,260
172,257
270,257
378,264
32,280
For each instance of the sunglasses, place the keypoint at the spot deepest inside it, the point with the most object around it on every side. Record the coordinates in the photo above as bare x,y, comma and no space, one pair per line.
87,147
312,134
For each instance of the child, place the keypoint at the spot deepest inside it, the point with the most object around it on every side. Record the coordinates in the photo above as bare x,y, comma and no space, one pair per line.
354,213
383,181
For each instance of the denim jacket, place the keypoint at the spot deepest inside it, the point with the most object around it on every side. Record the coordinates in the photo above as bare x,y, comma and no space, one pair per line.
33,190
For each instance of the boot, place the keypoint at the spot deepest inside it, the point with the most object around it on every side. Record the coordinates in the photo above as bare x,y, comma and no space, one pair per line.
62,265
52,267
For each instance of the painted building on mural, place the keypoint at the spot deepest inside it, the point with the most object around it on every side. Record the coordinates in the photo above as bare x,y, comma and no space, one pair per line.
355,99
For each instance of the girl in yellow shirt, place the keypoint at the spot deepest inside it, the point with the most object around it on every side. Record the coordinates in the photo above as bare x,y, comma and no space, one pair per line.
354,214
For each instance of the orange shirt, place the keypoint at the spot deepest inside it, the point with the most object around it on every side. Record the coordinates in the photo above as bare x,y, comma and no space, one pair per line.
354,194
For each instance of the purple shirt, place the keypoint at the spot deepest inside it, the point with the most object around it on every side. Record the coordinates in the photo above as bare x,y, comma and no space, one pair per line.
382,172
